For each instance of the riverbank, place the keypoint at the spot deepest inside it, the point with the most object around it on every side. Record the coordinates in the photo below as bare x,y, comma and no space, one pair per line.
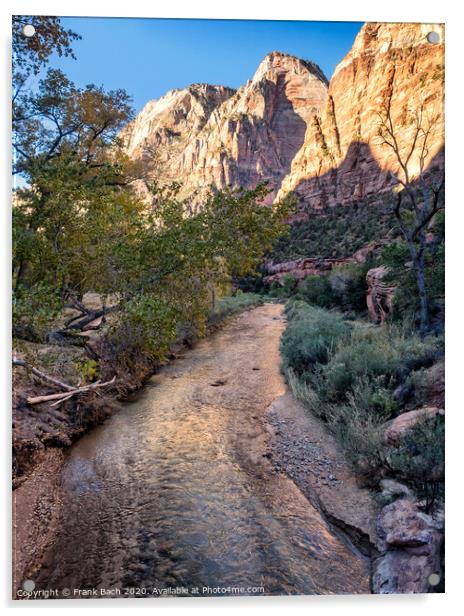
58,424
188,491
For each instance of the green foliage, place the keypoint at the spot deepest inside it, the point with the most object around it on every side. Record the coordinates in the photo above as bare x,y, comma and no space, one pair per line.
396,257
346,373
310,337
419,460
338,231
144,329
284,289
87,370
34,309
31,53
348,285
231,304
345,287
359,425
316,290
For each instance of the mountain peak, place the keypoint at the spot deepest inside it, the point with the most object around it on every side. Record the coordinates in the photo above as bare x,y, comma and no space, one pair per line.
281,62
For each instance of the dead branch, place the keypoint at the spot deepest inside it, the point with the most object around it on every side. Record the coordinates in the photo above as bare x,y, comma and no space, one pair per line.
62,396
41,375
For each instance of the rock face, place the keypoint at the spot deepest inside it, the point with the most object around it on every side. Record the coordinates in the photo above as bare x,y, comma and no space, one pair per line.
164,127
286,125
314,266
379,295
410,554
342,159
213,136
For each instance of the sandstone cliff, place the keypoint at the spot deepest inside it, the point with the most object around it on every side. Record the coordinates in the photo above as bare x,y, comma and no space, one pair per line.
164,127
232,139
342,159
287,126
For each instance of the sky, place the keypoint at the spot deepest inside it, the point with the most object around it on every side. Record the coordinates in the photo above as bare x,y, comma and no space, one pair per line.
148,57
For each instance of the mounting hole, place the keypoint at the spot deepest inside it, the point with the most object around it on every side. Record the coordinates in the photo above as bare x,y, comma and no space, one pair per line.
28,30
434,579
28,585
433,37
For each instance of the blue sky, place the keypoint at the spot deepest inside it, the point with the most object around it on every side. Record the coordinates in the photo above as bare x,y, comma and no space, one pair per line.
148,57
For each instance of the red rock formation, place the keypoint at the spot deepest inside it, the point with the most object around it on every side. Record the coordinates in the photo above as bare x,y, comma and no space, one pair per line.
241,138
342,159
286,127
379,295
165,126
301,268
411,550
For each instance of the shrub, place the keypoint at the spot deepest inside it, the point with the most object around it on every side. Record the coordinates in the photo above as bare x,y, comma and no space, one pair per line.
235,303
311,336
348,285
143,330
34,311
346,374
360,431
87,370
284,289
316,290
358,361
419,460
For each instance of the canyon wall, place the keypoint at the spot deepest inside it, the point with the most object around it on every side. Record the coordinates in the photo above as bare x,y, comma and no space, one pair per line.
252,135
288,127
390,66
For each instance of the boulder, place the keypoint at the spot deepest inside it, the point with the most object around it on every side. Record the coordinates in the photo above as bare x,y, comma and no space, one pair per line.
410,550
379,295
404,422
394,489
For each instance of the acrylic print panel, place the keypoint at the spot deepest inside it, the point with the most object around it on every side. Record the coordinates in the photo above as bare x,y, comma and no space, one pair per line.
228,272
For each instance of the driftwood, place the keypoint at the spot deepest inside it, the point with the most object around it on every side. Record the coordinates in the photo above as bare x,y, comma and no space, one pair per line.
41,375
62,396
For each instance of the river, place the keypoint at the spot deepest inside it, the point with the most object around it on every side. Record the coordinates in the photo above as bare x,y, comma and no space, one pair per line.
175,493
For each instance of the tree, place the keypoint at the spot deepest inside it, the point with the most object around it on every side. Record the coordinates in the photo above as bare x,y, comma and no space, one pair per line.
80,225
74,197
31,53
420,198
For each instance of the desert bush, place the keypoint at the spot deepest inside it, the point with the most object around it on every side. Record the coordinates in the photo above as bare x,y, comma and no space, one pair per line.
346,373
360,429
284,289
419,460
235,303
316,290
359,361
348,285
311,336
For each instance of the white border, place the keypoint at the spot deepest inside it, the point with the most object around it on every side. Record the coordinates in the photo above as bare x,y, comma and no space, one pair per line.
334,10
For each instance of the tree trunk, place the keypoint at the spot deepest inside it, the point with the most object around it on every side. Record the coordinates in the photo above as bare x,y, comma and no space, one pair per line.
424,324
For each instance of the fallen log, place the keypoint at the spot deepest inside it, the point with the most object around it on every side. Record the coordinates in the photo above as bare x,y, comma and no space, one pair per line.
62,396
